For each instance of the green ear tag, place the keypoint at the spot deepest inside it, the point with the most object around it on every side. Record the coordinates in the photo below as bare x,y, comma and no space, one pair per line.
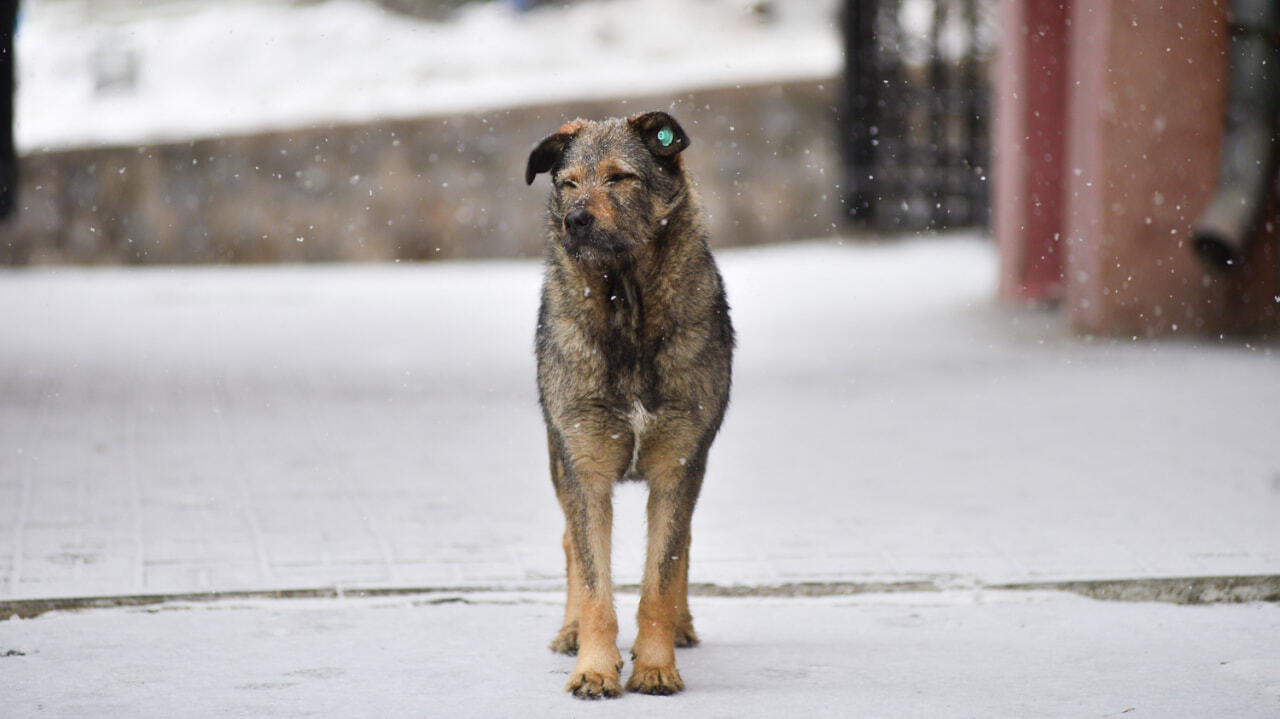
666,136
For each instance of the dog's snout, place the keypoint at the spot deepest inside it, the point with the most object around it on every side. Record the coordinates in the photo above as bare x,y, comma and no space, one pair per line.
578,220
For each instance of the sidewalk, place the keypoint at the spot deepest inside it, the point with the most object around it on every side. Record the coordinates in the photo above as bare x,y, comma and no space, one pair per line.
950,654
368,437
188,430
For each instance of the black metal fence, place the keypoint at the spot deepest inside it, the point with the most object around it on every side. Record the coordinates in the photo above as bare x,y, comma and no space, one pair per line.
915,112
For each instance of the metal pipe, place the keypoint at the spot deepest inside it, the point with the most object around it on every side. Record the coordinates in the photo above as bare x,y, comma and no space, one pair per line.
1247,163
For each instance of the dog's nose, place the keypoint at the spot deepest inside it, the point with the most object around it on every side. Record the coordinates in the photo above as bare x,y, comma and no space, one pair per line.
578,220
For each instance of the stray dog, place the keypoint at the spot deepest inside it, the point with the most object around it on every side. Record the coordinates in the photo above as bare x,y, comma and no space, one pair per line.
634,349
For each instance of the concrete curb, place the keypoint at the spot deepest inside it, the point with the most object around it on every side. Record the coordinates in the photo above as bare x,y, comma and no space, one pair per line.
1173,590
1169,590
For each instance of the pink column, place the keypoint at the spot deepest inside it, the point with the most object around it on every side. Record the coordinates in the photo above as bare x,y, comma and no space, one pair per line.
1029,147
1145,97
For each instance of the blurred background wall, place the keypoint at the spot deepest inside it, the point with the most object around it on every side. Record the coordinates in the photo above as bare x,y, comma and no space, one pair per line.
118,169
167,131
414,189
1086,134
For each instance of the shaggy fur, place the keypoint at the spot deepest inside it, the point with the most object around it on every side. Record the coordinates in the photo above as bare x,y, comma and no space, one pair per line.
634,349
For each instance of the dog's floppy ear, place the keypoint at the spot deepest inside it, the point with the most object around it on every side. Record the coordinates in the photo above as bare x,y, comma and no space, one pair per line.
550,150
661,133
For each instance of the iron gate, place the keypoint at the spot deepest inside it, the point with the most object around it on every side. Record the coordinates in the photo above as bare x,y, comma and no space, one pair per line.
915,112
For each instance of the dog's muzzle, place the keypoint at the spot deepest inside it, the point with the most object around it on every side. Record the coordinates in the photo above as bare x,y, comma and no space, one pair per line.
586,240
578,222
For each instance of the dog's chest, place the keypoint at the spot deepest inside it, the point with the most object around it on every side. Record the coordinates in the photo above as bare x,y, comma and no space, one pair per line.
631,346
640,419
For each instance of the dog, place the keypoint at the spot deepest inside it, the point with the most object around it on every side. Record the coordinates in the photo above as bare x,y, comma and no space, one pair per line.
634,355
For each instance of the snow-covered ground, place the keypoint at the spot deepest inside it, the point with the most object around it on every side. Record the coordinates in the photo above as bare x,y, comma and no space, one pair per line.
192,429
956,654
120,73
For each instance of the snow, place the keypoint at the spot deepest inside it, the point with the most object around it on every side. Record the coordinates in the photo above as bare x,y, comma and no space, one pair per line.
200,429
112,73
956,654
194,429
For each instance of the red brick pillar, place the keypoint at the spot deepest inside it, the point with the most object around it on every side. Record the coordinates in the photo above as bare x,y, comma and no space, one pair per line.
1148,83
1029,147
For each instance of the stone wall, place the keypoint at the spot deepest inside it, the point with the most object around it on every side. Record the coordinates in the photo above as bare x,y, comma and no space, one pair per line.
764,157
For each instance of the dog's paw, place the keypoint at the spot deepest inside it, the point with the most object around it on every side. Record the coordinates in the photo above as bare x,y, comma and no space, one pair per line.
655,680
589,684
566,641
685,636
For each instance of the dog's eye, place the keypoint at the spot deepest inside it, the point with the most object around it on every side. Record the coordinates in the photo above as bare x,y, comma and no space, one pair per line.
619,177
570,184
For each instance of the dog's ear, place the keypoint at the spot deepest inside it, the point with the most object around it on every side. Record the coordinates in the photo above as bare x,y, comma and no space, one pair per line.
661,133
550,150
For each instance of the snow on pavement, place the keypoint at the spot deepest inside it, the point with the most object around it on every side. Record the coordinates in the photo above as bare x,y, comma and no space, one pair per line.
954,654
197,429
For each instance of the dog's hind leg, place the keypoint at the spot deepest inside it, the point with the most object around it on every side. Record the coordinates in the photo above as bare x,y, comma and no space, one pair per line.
566,640
684,634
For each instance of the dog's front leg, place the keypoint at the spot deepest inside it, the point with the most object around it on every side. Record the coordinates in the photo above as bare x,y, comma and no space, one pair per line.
664,611
589,510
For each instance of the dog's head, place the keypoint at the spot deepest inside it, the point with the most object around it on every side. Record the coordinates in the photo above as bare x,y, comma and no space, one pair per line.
616,183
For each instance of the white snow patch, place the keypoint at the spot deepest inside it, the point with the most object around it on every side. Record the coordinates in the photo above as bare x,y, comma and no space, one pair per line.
920,655
177,70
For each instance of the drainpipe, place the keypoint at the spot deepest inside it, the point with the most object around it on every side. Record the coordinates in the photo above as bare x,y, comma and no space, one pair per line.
1247,163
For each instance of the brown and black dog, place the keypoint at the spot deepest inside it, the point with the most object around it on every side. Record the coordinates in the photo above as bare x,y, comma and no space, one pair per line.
634,349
